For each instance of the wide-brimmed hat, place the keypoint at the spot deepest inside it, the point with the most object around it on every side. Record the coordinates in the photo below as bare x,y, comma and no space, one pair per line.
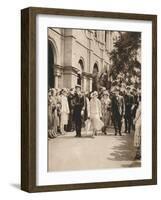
95,93
103,88
78,86
64,90
91,95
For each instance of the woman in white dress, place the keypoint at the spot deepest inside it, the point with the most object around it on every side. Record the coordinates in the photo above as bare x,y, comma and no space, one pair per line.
52,113
64,110
95,113
137,135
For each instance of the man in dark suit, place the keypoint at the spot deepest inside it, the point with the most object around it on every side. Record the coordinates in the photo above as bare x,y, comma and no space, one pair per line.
117,107
78,112
71,99
129,102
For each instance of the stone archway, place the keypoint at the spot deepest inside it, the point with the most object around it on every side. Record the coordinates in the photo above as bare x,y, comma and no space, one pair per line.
80,72
51,58
95,77
52,64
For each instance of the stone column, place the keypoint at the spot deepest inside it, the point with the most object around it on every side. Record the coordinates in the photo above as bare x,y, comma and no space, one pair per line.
90,84
84,85
56,81
57,74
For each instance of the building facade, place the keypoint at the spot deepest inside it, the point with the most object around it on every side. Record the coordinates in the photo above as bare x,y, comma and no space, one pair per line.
77,57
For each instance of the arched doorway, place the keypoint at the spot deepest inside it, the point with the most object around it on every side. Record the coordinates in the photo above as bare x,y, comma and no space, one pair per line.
104,78
80,68
95,77
51,79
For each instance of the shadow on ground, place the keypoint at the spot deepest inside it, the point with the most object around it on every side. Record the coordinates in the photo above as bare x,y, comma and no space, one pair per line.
133,164
125,151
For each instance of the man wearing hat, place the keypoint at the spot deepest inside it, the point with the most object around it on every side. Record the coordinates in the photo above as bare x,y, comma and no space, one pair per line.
101,91
71,108
117,107
79,107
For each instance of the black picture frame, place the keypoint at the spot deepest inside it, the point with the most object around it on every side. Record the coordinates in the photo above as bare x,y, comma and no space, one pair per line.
28,98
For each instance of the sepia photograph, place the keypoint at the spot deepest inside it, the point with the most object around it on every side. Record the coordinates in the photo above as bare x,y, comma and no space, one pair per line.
89,99
94,99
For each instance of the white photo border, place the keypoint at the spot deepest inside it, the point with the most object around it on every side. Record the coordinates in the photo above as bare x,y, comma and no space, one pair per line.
43,177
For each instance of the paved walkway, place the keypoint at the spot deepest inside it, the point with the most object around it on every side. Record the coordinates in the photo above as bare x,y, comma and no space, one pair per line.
67,152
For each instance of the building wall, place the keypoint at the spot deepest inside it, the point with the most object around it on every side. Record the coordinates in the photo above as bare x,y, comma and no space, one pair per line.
72,45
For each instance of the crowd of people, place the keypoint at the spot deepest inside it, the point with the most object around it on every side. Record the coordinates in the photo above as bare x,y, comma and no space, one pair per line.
72,109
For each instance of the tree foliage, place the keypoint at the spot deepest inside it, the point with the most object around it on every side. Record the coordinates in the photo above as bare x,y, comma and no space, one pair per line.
124,55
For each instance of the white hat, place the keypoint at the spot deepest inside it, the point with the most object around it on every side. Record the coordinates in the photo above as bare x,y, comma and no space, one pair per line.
95,93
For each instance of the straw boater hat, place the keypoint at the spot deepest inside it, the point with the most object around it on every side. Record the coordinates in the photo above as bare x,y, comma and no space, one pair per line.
78,86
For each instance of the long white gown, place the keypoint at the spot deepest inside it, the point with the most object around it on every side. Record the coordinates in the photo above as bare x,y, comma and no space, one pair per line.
95,114
64,110
137,135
